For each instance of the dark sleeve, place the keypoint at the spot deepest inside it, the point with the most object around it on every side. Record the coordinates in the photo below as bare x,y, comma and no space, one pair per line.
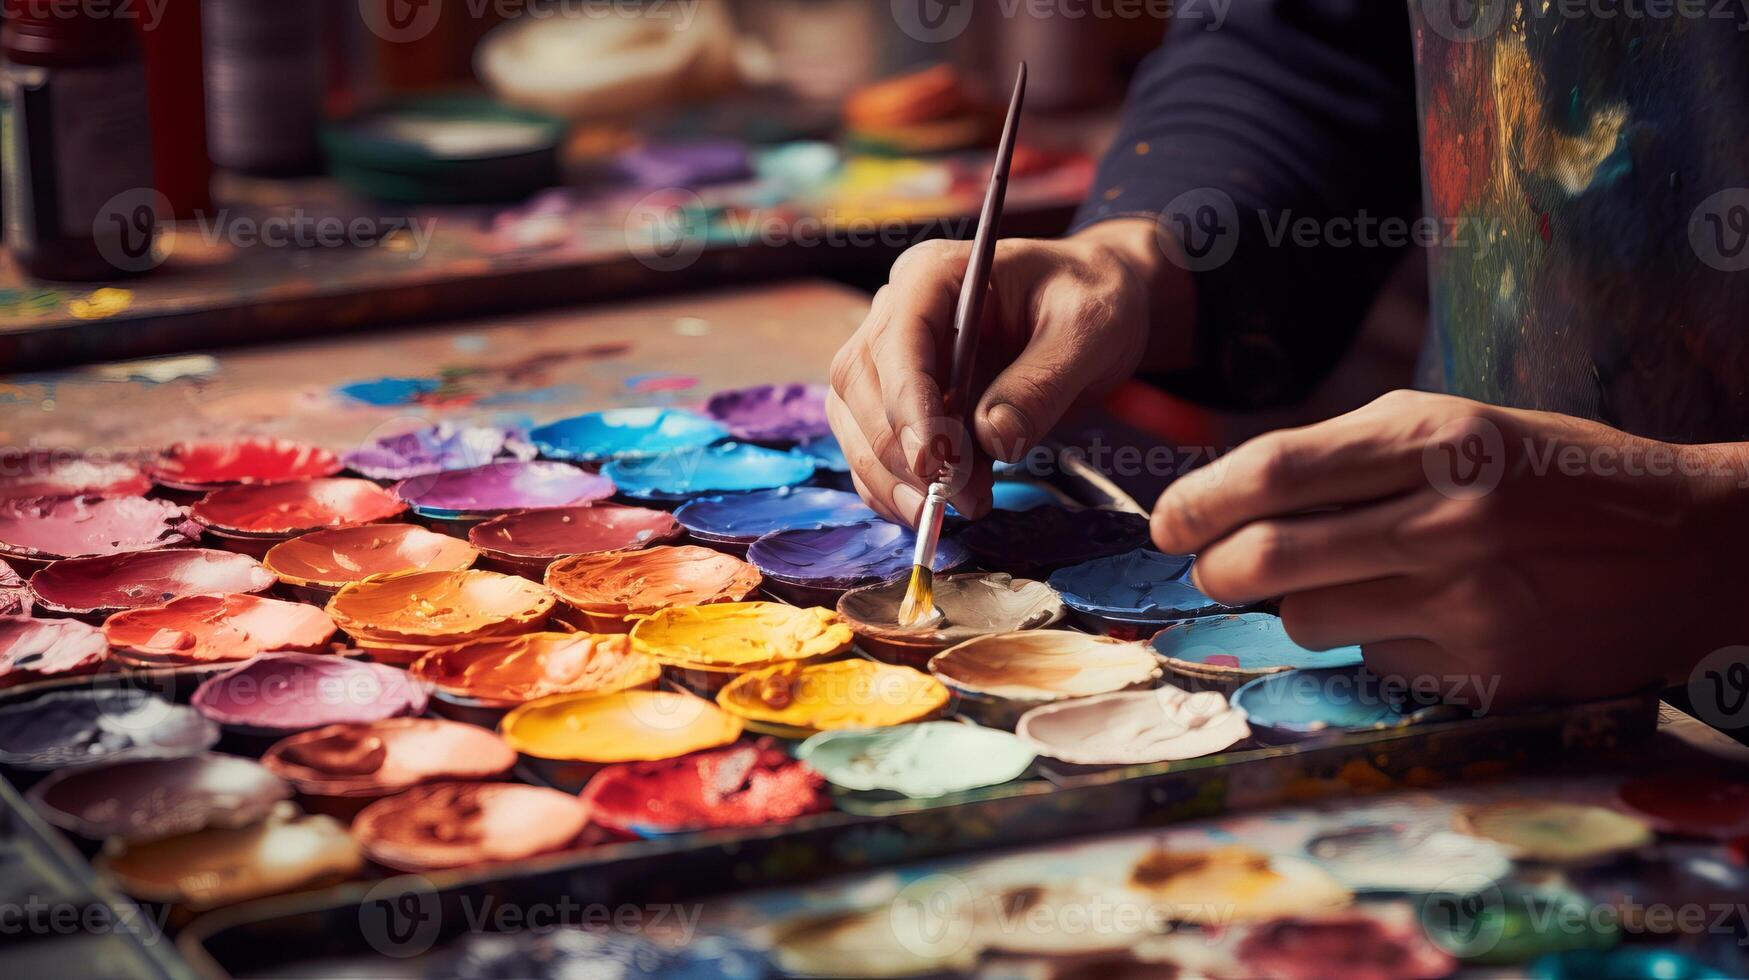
1288,115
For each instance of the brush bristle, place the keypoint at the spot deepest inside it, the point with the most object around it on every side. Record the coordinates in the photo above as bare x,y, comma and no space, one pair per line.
919,604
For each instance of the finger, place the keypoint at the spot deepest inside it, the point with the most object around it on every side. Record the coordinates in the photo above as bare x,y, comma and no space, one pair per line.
860,402
1357,613
1428,671
909,341
875,482
1357,457
1283,555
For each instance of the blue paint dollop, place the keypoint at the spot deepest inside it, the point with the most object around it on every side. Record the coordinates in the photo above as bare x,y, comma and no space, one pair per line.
1140,586
746,516
1248,641
730,467
1296,704
620,433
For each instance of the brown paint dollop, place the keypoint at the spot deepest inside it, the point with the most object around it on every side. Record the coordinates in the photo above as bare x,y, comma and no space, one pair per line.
385,757
107,584
967,606
209,629
145,799
334,558
456,825
507,671
607,588
555,532
296,507
224,865
1045,665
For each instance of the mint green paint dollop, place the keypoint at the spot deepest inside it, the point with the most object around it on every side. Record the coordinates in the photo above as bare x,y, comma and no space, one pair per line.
921,761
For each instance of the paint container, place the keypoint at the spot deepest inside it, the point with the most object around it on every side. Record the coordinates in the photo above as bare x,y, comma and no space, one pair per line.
608,593
149,799
205,629
750,784
1407,859
445,149
1363,944
253,518
1132,595
1039,541
277,694
464,825
773,414
815,567
478,682
703,648
793,700
94,589
625,433
1515,924
456,500
999,678
525,543
436,449
339,768
967,606
1626,963
729,467
1229,885
201,467
922,761
1690,804
36,532
39,649
16,599
25,474
1554,831
1294,705
1219,653
732,522
263,86
566,739
1133,728
312,567
66,729
398,618
222,866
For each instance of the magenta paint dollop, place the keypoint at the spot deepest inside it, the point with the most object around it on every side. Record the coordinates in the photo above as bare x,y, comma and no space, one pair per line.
36,531
293,692
106,584
500,487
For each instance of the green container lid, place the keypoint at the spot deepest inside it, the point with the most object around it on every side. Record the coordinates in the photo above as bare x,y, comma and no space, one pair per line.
445,150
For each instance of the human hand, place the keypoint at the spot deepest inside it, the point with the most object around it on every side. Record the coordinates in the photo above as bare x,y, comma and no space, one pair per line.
1556,558
1064,320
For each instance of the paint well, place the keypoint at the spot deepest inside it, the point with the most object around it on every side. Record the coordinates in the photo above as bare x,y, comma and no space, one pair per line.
846,557
625,433
630,726
607,588
101,586
772,413
1134,727
296,507
727,468
457,825
833,696
1043,539
1555,831
436,449
294,692
224,865
383,757
746,785
1045,665
398,616
1221,885
210,629
335,558
557,532
920,761
1300,703
743,518
230,462
1364,944
503,486
1140,585
76,527
146,799
84,727
740,636
508,671
1253,643
38,649
43,473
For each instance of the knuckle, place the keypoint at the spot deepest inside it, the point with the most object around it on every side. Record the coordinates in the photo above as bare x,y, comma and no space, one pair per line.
1302,623
1269,547
1276,462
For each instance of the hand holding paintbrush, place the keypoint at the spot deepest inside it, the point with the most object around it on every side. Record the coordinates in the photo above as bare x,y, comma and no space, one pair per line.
919,604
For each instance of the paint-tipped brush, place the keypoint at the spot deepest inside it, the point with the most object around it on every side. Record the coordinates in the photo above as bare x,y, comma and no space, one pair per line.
919,604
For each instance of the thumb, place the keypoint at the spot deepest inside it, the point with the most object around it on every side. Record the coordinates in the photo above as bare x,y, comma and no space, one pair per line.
1029,398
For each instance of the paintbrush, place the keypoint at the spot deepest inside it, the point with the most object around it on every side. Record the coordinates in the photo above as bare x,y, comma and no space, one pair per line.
919,604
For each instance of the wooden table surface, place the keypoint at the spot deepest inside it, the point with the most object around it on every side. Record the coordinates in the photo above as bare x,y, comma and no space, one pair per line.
534,367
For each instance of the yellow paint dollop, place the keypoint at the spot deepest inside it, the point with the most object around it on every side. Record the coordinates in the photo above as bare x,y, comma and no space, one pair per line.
740,635
841,694
628,726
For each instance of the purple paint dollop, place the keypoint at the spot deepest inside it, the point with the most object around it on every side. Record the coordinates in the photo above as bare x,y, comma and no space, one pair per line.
436,449
845,557
503,486
772,413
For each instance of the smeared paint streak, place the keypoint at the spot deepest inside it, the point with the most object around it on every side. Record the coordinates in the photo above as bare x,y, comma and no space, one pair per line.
101,304
527,379
661,381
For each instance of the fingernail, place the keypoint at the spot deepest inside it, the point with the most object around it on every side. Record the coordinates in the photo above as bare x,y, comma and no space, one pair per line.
1011,432
908,502
911,444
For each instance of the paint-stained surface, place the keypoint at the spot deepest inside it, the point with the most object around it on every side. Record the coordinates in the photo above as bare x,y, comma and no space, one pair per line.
1607,161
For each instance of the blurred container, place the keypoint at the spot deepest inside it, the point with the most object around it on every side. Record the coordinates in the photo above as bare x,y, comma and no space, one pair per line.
264,85
176,94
